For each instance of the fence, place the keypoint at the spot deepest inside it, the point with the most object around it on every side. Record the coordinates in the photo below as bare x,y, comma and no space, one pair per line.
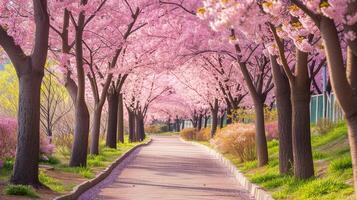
322,106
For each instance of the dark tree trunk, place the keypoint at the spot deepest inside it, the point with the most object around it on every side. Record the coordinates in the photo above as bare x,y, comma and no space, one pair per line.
141,127
206,122
199,123
229,115
221,124
283,103
27,151
81,132
94,148
111,139
183,124
303,161
131,119
261,142
301,136
120,119
214,114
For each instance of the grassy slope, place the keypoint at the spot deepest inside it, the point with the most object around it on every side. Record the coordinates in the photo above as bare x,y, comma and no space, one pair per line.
62,178
333,170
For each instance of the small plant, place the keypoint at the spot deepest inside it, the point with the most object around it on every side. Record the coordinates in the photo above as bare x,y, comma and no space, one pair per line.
22,190
341,164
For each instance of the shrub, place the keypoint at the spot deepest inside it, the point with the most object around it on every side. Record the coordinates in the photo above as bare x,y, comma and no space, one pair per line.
63,143
157,128
236,139
188,133
46,148
323,126
203,135
272,131
23,190
340,164
8,131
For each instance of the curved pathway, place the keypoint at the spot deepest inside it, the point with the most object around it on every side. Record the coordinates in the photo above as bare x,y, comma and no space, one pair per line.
169,169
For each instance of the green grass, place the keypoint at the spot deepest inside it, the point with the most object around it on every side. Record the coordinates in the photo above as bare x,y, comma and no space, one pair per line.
21,190
95,163
340,165
333,168
52,183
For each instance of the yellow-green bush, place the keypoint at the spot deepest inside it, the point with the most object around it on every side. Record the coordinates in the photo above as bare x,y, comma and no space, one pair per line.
188,133
237,139
203,135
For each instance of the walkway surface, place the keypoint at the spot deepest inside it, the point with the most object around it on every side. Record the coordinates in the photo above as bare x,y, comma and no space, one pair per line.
169,169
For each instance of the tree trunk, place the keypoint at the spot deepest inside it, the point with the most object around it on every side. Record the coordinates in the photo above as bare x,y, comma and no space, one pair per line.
214,114
206,122
221,124
303,161
301,136
120,119
229,115
283,103
111,139
141,128
261,142
81,132
131,120
94,148
27,151
183,124
199,123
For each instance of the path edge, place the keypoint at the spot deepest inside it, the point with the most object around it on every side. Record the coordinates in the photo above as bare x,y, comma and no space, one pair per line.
86,185
256,191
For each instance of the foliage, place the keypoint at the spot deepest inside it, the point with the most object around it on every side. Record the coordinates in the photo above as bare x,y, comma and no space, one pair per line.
236,139
272,130
9,87
188,133
203,135
156,128
8,131
22,190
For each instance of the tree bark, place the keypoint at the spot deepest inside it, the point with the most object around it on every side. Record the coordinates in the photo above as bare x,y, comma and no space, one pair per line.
27,151
131,119
199,123
229,115
97,115
120,119
206,122
183,124
214,114
283,103
221,124
111,139
81,132
261,142
301,136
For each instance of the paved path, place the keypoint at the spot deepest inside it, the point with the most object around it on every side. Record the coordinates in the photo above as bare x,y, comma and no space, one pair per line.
169,169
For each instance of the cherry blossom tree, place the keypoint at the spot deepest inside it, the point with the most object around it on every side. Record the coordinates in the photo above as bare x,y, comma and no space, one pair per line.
24,33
